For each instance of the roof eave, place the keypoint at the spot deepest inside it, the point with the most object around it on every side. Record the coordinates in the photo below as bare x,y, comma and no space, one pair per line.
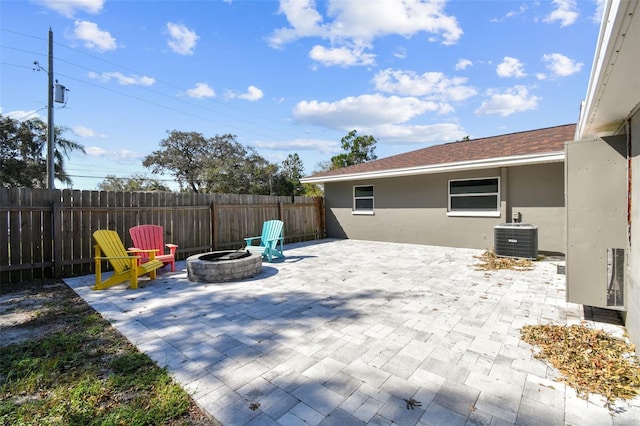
610,98
488,163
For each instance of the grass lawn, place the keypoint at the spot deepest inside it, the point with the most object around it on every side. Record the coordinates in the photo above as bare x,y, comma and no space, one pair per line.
61,363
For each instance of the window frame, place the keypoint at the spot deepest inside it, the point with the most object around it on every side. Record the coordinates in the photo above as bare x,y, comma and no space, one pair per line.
475,213
354,209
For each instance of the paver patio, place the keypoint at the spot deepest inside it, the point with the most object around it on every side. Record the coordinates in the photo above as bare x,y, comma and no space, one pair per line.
347,332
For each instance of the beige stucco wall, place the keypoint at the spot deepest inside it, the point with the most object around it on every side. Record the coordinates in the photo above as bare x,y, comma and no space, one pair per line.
414,209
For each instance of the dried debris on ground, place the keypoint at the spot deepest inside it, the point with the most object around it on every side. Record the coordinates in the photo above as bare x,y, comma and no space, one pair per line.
590,360
492,262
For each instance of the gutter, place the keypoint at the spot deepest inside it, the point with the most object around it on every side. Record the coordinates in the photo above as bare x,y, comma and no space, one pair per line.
488,163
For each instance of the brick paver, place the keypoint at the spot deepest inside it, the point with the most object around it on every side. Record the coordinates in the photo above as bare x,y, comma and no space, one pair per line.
348,332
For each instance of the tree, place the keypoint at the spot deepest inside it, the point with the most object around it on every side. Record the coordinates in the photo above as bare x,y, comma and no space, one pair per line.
23,146
218,164
359,149
135,182
184,155
292,171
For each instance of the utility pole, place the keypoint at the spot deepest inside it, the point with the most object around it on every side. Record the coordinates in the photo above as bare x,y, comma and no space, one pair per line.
50,127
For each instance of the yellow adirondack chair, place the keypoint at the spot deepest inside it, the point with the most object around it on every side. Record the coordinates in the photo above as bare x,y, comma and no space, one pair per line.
125,266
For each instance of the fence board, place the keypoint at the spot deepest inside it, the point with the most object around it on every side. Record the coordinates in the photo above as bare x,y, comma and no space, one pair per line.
4,234
14,233
36,235
26,234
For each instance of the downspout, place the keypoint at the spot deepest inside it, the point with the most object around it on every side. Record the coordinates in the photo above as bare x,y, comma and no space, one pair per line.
629,182
505,204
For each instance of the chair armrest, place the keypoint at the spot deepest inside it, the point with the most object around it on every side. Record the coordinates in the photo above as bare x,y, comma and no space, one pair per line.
172,248
249,240
152,253
116,257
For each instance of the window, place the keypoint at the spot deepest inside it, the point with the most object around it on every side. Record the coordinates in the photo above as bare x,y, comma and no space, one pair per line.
363,199
474,197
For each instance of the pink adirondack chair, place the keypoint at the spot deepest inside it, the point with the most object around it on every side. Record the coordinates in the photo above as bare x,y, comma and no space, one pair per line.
150,237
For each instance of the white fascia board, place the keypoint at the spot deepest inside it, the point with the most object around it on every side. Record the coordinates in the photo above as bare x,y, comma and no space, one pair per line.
520,160
599,59
606,102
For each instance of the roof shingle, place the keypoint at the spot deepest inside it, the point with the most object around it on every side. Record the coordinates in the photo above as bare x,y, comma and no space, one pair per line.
551,139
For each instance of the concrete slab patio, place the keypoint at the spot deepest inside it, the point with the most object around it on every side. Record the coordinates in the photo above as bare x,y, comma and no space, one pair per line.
348,332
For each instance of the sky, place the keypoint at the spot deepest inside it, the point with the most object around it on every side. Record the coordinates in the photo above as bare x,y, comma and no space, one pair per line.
292,76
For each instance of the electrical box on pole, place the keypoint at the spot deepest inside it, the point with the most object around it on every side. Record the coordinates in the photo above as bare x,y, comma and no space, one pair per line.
59,93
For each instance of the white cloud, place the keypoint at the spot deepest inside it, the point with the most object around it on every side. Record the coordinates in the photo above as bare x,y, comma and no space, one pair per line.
400,53
200,91
433,85
510,67
560,65
304,19
362,111
597,15
565,12
341,56
515,99
124,80
93,37
522,9
329,147
252,94
21,115
417,134
348,23
86,132
463,64
181,39
119,156
68,8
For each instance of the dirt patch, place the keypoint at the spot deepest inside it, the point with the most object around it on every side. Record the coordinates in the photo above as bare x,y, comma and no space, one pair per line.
24,315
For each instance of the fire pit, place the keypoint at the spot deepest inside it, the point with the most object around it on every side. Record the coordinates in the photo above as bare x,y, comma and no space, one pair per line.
222,266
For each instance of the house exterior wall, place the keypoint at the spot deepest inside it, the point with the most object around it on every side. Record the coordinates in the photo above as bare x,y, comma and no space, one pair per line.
414,209
632,315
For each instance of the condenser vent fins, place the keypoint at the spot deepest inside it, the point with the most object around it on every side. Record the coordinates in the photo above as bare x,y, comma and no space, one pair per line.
516,240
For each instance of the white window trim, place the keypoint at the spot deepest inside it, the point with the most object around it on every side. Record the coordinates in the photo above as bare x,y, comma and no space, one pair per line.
473,213
362,212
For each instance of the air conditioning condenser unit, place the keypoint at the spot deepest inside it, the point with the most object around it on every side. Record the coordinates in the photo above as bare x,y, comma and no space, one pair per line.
516,240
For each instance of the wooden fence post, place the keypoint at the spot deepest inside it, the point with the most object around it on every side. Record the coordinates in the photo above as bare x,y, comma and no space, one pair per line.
214,228
57,239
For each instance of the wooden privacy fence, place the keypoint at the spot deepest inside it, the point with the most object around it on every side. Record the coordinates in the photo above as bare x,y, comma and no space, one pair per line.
48,233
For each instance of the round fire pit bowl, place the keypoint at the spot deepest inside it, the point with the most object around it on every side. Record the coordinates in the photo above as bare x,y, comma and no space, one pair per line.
223,266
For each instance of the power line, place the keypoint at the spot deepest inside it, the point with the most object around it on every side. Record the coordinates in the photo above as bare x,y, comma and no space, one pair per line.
173,98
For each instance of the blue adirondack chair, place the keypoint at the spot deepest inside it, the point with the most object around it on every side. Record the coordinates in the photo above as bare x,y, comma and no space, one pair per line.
272,236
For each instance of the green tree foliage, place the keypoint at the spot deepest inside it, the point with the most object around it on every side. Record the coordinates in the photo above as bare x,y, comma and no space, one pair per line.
184,155
135,182
218,164
23,146
292,171
358,149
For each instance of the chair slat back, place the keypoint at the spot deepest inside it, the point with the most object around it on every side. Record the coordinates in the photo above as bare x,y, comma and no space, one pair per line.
148,237
271,231
111,245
